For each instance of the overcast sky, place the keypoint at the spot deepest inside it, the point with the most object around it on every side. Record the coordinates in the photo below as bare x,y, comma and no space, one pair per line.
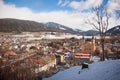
71,13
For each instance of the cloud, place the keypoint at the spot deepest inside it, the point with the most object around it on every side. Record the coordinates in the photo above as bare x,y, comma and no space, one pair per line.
82,5
11,11
113,6
60,2
63,3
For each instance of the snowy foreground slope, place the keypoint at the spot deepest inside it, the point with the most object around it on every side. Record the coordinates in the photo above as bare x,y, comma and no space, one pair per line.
107,70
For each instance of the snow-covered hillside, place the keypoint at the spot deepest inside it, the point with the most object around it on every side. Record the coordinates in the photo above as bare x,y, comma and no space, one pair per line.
107,70
114,31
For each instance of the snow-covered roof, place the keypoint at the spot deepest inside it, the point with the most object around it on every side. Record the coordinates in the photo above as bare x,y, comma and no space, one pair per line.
107,70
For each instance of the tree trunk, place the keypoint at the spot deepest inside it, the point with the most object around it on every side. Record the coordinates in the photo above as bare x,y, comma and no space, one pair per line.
103,50
103,53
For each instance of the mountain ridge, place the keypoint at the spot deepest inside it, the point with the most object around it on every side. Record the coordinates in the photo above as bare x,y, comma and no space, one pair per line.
10,25
17,25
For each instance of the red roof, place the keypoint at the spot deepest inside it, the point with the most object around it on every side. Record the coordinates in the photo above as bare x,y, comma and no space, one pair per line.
38,61
81,54
10,53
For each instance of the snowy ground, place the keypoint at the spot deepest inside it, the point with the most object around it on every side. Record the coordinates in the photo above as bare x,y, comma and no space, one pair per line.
107,70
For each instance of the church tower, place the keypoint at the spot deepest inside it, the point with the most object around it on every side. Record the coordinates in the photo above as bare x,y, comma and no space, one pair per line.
93,39
83,39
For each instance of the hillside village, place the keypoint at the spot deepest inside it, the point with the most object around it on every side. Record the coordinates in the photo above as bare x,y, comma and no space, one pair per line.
40,56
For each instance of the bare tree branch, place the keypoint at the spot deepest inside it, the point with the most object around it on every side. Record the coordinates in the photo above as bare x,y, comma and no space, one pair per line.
100,22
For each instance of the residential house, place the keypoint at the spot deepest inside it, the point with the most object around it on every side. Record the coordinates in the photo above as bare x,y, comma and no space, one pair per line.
44,63
82,56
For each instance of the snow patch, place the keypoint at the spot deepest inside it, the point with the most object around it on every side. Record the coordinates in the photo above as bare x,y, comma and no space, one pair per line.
62,28
117,28
78,30
107,70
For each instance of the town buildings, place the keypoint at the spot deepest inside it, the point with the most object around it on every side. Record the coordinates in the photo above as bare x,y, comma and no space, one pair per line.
41,54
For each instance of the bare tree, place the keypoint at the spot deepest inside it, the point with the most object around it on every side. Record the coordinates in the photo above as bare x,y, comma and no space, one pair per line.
100,21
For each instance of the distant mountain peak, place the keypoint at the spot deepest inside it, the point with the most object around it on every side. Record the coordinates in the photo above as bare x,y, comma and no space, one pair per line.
62,27
114,31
